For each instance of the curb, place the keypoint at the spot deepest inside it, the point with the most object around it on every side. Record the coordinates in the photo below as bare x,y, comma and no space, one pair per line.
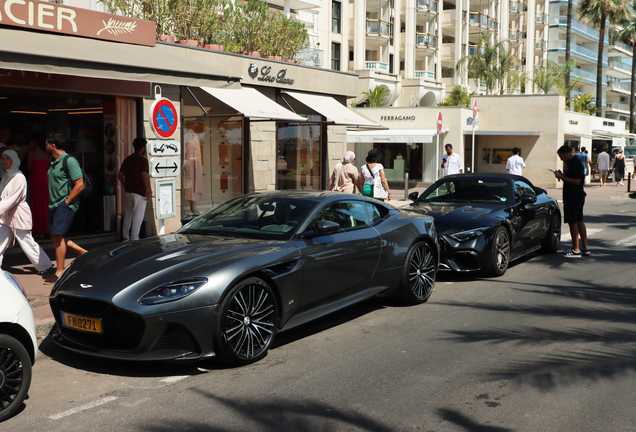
43,327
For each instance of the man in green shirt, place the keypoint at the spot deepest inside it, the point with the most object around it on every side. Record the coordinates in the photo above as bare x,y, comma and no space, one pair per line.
64,190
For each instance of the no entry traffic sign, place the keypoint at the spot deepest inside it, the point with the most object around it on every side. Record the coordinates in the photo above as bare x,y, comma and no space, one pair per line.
163,118
439,122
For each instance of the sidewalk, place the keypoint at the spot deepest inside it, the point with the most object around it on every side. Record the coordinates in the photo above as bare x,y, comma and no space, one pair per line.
16,263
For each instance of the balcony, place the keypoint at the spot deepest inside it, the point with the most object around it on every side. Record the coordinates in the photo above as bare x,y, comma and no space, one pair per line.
425,74
620,65
311,57
585,76
425,40
378,27
541,18
577,50
515,35
373,65
619,87
477,19
516,7
613,106
474,50
616,44
426,6
541,45
577,27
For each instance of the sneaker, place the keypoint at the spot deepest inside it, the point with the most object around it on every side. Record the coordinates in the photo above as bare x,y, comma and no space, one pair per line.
572,254
50,280
585,251
621,184
43,272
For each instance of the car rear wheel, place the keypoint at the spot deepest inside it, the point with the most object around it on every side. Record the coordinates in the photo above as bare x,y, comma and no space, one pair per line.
15,375
553,238
418,274
246,323
500,252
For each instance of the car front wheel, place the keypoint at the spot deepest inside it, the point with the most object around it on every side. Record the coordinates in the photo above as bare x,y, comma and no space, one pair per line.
500,252
418,274
246,323
15,375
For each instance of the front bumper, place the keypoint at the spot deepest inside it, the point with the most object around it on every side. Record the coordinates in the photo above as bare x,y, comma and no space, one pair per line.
468,256
184,334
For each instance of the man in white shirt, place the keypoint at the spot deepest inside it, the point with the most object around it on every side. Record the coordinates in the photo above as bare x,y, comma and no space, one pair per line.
515,162
451,162
603,163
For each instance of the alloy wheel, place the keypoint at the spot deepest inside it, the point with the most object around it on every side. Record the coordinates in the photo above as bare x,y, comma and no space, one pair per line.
502,250
422,272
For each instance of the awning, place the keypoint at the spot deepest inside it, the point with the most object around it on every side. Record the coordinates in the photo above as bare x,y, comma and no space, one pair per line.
504,133
68,55
252,103
393,136
333,110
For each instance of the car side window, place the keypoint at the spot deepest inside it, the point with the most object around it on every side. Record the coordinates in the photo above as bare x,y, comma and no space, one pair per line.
375,213
521,188
348,214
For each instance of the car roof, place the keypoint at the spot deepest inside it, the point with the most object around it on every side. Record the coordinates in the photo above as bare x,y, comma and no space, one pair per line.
487,176
317,195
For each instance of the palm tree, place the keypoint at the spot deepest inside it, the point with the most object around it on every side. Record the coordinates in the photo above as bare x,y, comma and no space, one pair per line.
568,36
376,96
583,104
482,67
507,61
628,34
457,97
598,11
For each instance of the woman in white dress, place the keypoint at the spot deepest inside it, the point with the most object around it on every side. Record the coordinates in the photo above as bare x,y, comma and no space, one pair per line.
15,215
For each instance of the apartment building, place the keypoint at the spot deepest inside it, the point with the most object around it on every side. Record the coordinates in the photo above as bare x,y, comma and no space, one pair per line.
584,51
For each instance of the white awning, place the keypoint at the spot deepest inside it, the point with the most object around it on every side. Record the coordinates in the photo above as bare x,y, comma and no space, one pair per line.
252,104
504,133
393,135
333,110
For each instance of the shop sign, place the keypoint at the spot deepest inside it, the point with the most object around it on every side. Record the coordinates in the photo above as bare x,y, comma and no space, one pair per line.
397,118
574,122
51,17
267,76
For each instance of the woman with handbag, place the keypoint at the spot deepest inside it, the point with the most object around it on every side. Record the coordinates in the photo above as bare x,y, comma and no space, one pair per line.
15,215
619,167
345,175
372,182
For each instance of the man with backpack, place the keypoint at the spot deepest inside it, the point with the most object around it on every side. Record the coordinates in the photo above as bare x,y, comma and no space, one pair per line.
66,183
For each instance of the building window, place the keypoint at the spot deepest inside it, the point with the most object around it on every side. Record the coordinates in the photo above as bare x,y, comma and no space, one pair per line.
390,63
335,56
298,162
336,9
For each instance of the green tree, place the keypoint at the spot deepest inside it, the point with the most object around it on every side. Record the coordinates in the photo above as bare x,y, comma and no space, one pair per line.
458,96
376,96
505,70
584,103
628,34
548,75
598,12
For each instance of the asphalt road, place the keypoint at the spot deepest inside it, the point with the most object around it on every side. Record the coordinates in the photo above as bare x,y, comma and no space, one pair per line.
550,346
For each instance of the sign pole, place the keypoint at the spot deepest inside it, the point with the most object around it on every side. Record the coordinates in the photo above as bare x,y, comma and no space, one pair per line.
472,153
439,129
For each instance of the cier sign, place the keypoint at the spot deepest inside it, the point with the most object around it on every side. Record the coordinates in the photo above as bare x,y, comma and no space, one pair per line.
51,17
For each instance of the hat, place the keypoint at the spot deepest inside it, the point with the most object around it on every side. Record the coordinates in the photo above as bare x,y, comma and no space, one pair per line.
374,156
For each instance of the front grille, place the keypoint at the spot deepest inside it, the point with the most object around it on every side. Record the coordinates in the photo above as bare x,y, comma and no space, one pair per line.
121,330
176,338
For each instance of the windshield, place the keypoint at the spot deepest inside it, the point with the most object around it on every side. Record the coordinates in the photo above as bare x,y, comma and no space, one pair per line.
468,190
260,217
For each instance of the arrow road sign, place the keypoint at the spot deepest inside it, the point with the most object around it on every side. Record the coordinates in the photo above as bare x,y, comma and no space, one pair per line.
165,167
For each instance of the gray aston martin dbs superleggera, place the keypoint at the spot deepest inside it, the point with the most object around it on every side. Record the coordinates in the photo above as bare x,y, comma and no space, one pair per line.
229,280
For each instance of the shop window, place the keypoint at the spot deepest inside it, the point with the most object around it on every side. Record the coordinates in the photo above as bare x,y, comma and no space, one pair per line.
336,11
495,156
335,56
298,155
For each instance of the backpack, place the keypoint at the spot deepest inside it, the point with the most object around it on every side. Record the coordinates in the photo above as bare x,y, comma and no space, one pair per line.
88,186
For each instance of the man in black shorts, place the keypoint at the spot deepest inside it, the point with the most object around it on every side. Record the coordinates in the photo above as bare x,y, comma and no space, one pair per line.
573,200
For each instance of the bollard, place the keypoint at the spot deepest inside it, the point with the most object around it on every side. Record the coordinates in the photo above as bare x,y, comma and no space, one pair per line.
629,182
406,186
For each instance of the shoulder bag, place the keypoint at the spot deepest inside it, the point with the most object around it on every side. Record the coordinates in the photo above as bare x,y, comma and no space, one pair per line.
378,188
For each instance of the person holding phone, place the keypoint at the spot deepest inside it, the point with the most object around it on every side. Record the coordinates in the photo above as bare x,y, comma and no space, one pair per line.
573,201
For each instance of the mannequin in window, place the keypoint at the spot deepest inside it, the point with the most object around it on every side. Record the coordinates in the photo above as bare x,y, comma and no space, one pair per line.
192,170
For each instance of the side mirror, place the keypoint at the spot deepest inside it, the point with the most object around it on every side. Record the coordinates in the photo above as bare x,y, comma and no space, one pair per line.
188,219
528,199
321,228
413,195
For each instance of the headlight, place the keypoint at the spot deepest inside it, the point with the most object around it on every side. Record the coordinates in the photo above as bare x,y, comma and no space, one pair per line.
172,291
15,283
468,235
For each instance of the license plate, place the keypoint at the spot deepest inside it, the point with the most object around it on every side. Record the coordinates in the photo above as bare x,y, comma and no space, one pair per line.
92,325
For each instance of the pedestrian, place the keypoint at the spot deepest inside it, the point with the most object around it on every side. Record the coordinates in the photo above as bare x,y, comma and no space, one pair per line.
372,168
451,162
573,201
134,177
515,162
618,164
603,161
345,175
65,187
15,215
584,158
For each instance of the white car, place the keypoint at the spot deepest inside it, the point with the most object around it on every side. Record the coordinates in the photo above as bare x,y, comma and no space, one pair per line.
18,345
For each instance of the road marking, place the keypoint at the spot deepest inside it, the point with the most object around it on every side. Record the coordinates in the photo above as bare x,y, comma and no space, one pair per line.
565,236
629,241
173,379
83,408
134,404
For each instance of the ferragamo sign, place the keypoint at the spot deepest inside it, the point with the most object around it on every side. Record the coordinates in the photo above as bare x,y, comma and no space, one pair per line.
51,17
